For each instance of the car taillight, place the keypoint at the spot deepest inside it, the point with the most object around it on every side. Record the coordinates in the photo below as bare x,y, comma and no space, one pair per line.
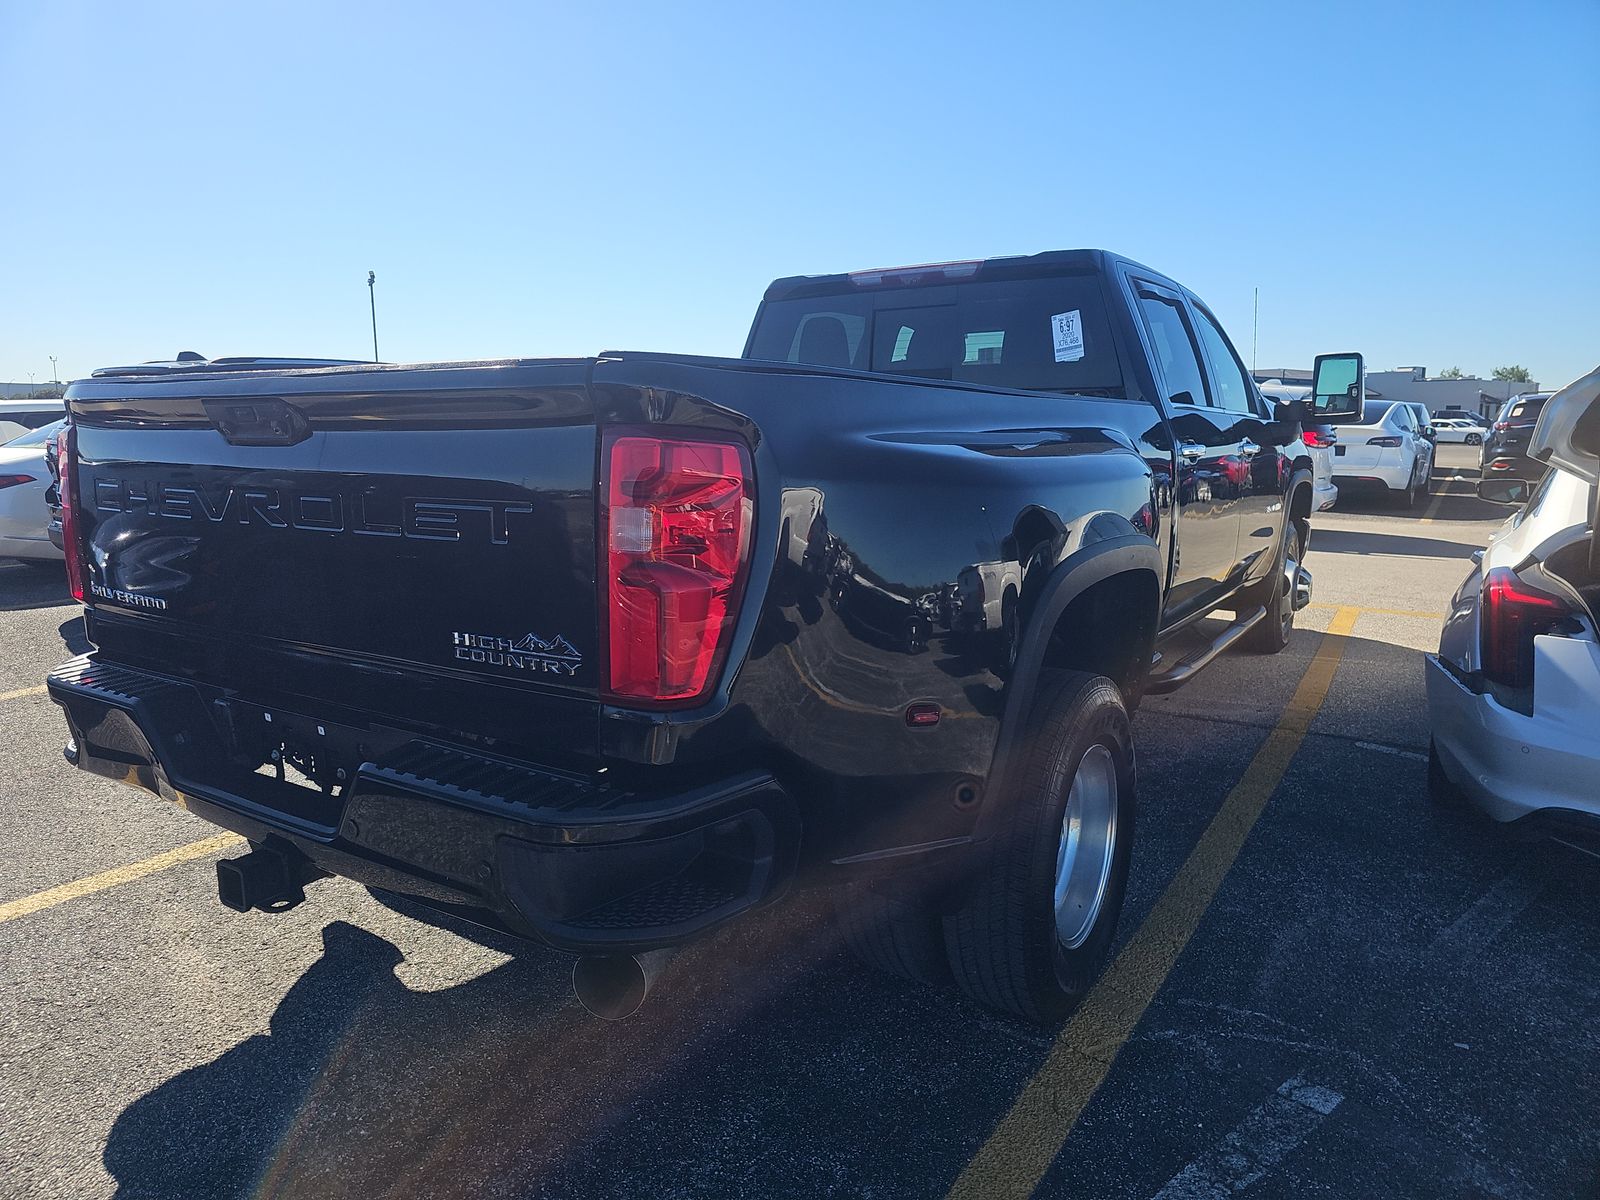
13,480
1383,441
1501,426
675,543
1513,615
1316,440
67,472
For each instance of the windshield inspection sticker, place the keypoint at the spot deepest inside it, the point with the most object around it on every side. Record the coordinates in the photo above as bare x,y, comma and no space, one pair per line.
1067,329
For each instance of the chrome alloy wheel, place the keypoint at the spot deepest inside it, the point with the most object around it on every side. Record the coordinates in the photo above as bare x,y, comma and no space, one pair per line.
1088,845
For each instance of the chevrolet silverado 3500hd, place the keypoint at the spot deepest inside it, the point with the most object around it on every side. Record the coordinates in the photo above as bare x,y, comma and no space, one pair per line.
604,652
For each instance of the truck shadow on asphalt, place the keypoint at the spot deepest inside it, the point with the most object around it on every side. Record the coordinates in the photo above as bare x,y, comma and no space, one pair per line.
1351,541
25,585
503,1084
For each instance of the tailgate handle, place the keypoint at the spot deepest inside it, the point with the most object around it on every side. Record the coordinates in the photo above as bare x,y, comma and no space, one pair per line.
258,421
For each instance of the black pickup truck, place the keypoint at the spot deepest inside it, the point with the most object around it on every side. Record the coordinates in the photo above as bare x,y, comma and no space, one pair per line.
603,652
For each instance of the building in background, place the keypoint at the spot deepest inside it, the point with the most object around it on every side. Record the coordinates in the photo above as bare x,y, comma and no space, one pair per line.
10,391
1474,396
1478,397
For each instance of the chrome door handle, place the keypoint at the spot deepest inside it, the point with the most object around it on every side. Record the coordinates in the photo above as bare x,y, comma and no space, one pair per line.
1191,450
1248,448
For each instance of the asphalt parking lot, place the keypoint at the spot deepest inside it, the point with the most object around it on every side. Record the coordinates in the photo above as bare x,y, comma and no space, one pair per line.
1324,988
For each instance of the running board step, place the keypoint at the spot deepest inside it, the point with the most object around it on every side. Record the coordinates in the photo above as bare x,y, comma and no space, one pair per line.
1186,668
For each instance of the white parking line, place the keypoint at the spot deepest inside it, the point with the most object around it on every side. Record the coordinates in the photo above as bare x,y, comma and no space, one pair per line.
1468,934
1395,750
1257,1144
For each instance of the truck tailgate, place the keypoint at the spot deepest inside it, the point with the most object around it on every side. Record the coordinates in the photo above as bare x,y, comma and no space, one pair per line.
419,546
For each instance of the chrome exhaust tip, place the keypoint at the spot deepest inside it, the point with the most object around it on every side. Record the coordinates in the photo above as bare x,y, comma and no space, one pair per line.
613,986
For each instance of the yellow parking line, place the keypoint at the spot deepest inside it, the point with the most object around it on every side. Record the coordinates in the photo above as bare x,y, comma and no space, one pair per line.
1027,1139
21,692
50,897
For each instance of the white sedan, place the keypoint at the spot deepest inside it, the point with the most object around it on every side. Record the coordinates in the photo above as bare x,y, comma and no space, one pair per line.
1387,448
1455,429
1514,692
24,516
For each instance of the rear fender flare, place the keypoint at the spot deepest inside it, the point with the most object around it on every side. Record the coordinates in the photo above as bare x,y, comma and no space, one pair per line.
1073,576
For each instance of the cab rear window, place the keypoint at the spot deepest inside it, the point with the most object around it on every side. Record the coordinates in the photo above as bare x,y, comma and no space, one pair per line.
1038,334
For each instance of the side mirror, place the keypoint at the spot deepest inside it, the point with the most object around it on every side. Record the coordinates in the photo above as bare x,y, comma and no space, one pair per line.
1429,432
1338,389
1502,489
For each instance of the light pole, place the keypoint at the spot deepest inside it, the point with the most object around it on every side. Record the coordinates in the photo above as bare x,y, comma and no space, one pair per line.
54,376
372,298
30,385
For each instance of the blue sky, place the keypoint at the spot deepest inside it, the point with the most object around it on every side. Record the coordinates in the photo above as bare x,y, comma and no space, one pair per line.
1417,181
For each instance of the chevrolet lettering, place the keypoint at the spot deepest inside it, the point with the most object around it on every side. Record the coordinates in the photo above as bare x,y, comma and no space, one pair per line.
433,518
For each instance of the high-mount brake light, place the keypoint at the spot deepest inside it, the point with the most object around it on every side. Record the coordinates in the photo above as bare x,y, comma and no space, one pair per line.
67,472
908,276
676,520
1513,614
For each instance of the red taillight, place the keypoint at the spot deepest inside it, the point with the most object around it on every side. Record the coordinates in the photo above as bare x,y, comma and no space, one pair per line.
1315,439
1383,441
67,471
1513,615
675,529
13,480
1501,426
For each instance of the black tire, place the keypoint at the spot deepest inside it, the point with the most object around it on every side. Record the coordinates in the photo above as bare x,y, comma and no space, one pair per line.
895,933
1002,942
1474,439
1408,497
1271,634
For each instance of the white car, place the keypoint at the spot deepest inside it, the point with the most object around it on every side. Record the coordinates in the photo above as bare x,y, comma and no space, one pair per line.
19,416
1388,449
24,515
1514,692
1318,440
1457,429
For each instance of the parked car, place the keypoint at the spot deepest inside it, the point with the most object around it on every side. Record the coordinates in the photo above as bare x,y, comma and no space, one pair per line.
19,416
558,665
1387,449
1514,692
1423,417
52,495
1457,429
1462,414
1319,440
1505,449
24,515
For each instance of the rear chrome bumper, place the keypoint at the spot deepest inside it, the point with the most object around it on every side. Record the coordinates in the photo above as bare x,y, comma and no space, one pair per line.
567,859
